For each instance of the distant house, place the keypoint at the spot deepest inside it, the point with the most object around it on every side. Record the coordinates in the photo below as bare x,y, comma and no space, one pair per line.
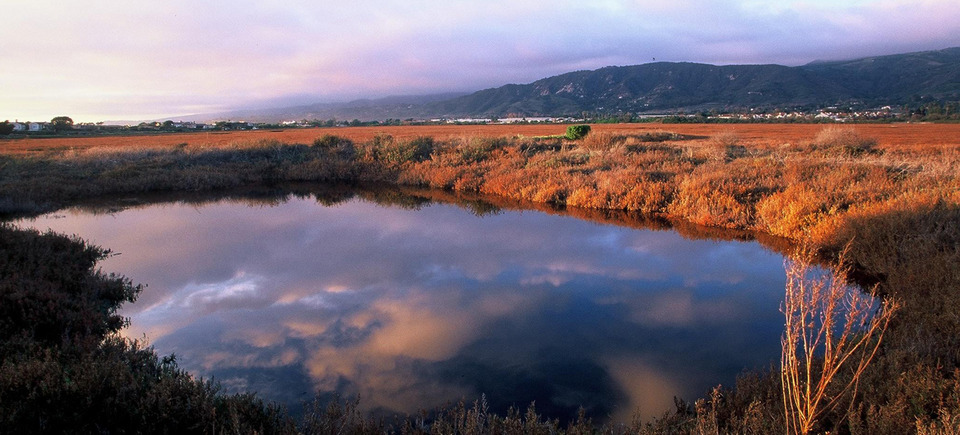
17,126
469,121
36,126
531,119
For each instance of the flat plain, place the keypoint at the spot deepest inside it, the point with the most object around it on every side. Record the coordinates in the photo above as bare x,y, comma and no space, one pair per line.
903,136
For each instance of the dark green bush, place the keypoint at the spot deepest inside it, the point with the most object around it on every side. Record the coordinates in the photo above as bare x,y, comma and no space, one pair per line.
577,132
419,149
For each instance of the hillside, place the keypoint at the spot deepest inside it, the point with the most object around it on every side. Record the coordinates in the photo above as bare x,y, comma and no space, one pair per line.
667,87
396,107
649,87
896,78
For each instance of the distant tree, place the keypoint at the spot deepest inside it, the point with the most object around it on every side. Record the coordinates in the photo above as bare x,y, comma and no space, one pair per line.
168,124
6,128
62,123
952,109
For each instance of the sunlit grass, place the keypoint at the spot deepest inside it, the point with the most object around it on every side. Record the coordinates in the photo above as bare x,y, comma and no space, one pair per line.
896,209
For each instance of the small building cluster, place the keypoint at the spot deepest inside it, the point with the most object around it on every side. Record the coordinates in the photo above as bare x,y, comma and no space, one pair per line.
24,127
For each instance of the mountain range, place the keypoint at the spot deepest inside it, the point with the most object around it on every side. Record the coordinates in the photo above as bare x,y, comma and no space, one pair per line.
667,87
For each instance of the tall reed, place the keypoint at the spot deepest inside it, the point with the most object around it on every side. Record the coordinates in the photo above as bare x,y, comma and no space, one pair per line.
830,336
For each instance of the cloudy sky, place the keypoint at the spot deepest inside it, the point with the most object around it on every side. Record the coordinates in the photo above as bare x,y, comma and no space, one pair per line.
136,59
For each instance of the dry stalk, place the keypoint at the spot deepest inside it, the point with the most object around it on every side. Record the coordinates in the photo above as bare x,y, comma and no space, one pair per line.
829,325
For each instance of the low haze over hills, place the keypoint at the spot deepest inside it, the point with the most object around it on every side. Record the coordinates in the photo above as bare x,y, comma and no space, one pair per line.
669,87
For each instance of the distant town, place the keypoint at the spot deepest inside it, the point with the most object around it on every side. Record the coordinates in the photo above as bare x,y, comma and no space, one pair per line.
933,112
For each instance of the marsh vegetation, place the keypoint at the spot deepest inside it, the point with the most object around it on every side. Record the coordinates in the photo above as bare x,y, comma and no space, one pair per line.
895,211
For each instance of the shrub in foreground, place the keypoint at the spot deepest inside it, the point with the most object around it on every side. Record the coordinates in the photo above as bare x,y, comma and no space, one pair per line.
64,369
831,330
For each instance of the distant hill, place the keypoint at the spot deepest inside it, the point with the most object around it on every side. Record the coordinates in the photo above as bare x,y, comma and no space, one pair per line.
896,78
394,107
667,87
650,87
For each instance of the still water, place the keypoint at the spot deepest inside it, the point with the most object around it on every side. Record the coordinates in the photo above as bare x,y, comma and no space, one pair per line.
414,306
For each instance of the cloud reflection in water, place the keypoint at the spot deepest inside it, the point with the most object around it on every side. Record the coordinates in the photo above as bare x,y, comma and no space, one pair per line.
411,309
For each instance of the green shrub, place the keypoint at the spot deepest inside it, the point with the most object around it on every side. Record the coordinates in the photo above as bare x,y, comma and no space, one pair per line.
577,132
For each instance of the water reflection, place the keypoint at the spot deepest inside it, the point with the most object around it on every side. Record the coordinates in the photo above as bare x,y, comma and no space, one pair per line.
415,305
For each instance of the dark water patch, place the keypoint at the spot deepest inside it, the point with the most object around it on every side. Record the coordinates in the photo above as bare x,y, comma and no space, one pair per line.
411,302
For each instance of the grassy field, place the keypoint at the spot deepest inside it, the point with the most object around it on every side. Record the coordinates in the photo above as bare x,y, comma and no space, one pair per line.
903,136
888,195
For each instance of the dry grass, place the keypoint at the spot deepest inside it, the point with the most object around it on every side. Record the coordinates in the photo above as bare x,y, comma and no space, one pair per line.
891,193
904,137
830,327
845,141
726,145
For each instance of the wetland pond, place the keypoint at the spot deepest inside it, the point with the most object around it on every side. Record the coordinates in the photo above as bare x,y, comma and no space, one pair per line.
413,303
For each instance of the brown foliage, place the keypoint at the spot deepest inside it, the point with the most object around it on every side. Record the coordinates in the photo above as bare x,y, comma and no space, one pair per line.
831,331
892,192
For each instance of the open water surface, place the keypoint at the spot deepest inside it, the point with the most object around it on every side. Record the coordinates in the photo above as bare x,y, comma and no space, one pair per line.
415,305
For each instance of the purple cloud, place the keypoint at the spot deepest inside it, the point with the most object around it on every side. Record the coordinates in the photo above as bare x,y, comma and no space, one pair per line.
111,59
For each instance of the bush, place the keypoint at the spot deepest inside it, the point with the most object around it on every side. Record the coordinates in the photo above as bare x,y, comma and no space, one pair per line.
336,146
328,141
64,368
70,304
725,146
577,132
844,141
476,150
392,151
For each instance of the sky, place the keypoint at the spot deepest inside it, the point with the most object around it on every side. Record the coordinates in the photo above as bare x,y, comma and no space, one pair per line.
99,60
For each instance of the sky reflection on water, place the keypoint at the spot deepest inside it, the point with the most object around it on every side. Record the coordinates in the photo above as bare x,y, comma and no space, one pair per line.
411,309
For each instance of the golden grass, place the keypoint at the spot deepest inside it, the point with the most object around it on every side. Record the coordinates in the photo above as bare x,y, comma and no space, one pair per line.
904,137
756,177
830,328
890,193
